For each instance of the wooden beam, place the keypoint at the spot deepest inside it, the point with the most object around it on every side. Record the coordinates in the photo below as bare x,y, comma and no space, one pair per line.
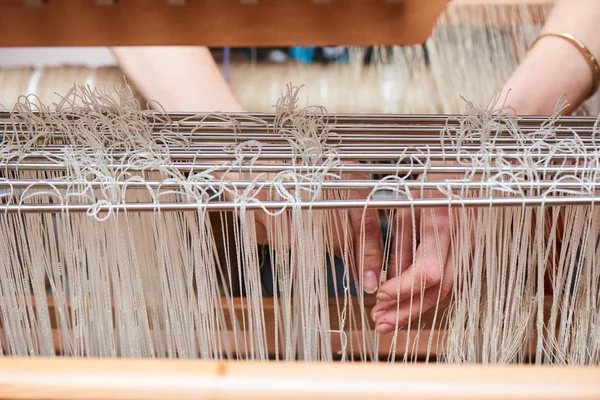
127,379
217,23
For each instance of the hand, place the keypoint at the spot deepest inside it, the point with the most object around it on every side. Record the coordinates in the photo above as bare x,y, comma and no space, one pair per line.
420,276
365,232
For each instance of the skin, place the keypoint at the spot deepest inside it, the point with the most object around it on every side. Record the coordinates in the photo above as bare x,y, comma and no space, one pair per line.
554,69
419,277
185,79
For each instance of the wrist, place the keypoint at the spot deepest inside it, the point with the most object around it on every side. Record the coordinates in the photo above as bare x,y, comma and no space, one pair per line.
553,71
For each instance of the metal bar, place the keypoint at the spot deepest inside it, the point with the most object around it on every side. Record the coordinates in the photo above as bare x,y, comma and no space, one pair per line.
316,205
389,140
196,150
156,118
358,153
347,168
350,118
393,157
328,185
267,127
242,130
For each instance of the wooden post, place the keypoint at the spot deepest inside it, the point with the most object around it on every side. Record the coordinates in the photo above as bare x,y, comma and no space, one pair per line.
129,379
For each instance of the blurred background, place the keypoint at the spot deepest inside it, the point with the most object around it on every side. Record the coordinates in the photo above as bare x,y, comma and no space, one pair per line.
474,48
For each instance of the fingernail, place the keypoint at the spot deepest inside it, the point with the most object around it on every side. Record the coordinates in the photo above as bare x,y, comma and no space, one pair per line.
377,315
370,282
383,296
384,328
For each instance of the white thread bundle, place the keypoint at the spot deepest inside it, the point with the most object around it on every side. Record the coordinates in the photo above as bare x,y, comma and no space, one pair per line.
128,283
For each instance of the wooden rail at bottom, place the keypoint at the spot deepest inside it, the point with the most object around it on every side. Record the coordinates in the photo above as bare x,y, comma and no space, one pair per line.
150,379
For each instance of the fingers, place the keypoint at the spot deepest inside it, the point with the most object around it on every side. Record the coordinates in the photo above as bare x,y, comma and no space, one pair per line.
262,236
367,239
424,284
336,221
405,230
263,223
431,257
388,315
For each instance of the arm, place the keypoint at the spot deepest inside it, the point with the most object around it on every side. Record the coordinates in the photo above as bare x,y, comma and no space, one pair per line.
554,67
179,78
188,79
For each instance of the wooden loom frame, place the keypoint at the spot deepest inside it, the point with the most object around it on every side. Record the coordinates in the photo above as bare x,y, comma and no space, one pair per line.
228,23
127,379
209,22
258,23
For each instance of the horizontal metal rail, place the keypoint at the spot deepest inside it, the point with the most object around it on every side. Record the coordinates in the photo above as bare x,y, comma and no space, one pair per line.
326,185
315,205
345,168
338,118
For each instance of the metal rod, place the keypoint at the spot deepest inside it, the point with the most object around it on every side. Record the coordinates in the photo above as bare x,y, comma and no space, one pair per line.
347,168
344,117
328,185
210,150
269,133
355,155
316,205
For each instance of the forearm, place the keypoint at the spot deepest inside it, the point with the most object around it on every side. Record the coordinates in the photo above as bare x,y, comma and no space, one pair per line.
555,68
179,78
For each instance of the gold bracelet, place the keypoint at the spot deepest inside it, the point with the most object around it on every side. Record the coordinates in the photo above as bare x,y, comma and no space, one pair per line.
589,57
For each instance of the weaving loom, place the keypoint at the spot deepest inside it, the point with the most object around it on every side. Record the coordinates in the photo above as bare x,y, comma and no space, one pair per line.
127,233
